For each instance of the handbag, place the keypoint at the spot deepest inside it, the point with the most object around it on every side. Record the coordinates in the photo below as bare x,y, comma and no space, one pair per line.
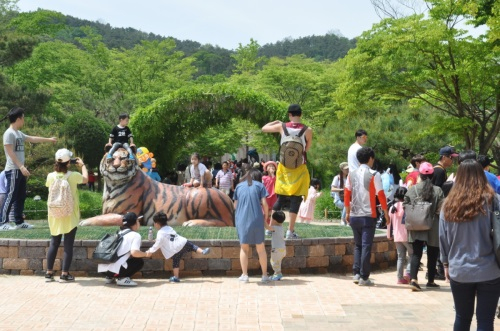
418,214
107,249
495,229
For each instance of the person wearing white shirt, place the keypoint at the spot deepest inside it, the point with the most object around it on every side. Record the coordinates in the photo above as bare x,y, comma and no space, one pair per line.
361,139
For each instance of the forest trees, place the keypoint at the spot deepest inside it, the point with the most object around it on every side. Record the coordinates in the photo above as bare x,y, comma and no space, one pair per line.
427,61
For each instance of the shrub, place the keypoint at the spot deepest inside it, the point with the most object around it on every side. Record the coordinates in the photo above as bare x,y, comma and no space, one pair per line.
90,205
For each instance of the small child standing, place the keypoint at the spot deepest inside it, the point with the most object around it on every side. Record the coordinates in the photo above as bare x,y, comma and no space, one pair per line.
171,244
400,233
278,247
306,210
120,136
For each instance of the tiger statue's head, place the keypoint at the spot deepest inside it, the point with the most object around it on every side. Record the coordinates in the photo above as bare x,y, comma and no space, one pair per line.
119,168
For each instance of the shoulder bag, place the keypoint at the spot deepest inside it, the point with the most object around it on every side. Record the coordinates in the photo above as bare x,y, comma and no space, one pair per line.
495,229
418,214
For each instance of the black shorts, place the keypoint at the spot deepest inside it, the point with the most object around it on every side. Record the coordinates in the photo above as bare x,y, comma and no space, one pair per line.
295,201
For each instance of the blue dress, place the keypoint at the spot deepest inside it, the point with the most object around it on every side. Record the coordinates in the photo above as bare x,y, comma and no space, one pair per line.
249,216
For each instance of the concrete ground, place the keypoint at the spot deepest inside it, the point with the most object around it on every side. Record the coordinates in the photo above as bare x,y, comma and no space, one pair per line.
305,302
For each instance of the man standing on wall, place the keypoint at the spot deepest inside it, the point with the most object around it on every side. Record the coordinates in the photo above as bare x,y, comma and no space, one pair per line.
292,176
361,139
16,172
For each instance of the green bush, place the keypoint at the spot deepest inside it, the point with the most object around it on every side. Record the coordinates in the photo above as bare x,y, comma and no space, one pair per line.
90,205
325,201
36,186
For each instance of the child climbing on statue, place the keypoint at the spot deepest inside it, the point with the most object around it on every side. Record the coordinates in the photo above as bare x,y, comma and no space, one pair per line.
171,244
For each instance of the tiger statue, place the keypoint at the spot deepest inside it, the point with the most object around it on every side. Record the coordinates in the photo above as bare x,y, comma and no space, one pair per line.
127,188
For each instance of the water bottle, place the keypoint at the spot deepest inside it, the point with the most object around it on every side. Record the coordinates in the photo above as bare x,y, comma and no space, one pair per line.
150,233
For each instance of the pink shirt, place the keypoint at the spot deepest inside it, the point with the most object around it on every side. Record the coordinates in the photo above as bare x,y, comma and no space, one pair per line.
399,229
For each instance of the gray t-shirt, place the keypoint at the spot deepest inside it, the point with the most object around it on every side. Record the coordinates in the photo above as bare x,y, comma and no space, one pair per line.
278,237
15,138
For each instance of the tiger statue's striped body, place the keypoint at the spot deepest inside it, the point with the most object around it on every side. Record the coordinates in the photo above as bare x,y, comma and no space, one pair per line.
127,188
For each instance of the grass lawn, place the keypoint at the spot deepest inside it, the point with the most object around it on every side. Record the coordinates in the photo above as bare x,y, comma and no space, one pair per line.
41,231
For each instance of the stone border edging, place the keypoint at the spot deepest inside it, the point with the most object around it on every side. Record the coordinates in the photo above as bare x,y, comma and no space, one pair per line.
304,256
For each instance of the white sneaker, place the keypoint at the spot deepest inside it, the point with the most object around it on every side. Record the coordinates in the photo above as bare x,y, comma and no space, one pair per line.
291,235
125,281
24,225
6,227
110,280
265,279
367,282
243,278
356,278
342,223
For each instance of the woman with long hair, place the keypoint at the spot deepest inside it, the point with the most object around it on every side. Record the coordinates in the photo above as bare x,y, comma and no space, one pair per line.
433,194
467,249
337,190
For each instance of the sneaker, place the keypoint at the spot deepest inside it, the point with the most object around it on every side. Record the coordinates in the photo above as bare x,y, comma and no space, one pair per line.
24,225
402,281
342,223
291,235
6,227
243,278
367,282
277,277
440,276
174,279
110,280
206,251
66,278
125,281
268,233
265,279
49,277
407,277
432,285
415,287
356,278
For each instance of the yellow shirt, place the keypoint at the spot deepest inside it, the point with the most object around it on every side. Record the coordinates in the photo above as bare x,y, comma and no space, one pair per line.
64,225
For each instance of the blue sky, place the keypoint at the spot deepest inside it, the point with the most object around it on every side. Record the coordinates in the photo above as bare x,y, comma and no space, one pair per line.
223,22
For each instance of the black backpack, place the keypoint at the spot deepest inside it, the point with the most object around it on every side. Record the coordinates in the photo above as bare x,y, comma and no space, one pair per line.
107,249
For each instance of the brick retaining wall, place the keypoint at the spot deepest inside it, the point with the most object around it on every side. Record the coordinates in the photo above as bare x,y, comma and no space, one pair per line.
321,255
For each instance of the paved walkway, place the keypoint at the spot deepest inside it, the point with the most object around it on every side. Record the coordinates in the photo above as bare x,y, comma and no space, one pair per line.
316,302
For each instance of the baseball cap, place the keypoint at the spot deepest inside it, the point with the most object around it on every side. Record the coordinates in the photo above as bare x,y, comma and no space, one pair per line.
344,165
426,168
63,155
448,151
129,219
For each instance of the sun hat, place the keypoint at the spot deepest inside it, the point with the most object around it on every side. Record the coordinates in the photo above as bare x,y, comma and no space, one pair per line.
426,168
63,155
269,163
344,165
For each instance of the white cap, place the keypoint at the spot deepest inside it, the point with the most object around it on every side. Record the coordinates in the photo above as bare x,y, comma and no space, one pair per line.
63,155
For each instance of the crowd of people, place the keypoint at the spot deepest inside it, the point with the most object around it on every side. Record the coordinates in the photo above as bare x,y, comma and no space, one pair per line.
457,242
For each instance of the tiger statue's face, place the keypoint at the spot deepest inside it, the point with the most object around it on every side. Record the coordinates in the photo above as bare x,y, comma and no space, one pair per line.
119,168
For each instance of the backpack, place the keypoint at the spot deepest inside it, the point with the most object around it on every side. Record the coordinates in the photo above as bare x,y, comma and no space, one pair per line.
107,249
60,202
291,149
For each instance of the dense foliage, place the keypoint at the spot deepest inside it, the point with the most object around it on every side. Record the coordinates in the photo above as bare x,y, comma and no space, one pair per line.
415,83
